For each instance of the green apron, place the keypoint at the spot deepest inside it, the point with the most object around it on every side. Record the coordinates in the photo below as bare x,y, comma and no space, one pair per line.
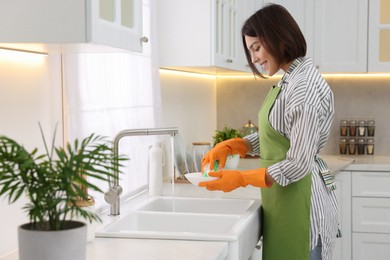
286,210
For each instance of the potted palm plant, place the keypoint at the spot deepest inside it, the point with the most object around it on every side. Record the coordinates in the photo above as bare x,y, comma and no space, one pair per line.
225,134
53,183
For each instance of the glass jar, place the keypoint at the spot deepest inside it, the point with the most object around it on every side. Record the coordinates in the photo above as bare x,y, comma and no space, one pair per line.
199,149
343,127
370,128
352,146
370,146
249,128
362,128
352,127
360,146
343,146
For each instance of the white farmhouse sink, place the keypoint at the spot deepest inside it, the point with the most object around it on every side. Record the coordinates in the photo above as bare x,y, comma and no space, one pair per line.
147,224
232,220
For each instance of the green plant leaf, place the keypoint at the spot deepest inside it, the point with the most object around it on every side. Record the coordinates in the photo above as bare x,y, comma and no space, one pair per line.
53,182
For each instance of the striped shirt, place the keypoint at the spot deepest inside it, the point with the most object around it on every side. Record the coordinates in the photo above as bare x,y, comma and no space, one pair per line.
303,113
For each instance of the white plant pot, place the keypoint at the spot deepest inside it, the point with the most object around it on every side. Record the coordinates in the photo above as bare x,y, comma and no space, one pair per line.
49,245
232,161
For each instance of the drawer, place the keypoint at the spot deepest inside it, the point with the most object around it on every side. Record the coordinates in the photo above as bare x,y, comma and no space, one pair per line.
371,215
371,184
370,246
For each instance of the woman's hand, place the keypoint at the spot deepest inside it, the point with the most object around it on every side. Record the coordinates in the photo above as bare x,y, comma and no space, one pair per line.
222,150
233,179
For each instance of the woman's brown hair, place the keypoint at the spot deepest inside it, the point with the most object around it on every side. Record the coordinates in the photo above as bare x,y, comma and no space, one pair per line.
278,31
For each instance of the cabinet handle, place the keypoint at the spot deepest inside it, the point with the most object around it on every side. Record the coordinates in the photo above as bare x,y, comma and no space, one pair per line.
144,39
229,60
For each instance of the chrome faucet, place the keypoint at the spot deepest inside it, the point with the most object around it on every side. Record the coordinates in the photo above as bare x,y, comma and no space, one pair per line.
112,196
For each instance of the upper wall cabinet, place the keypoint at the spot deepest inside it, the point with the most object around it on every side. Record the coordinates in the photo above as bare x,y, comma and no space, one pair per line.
202,33
113,23
227,41
379,36
335,32
340,35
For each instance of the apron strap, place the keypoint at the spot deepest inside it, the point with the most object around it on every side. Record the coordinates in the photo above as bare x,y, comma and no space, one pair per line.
325,173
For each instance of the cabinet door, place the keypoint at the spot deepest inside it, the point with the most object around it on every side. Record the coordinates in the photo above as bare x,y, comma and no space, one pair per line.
224,18
228,47
379,36
116,23
343,192
371,246
371,184
371,215
184,33
340,35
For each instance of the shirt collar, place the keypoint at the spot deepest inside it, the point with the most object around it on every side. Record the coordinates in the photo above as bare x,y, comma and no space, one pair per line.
290,70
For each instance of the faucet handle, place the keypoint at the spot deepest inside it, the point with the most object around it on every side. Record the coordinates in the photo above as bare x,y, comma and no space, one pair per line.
112,195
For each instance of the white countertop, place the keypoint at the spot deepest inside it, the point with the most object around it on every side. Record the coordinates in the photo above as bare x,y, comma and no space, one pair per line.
148,249
337,163
368,163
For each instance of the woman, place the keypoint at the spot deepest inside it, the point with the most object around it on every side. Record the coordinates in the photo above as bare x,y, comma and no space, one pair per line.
298,198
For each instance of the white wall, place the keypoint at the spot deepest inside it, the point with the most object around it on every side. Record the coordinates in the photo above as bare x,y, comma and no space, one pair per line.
189,103
30,91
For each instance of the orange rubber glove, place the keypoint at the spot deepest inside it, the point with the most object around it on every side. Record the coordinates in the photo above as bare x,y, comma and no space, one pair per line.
233,179
222,150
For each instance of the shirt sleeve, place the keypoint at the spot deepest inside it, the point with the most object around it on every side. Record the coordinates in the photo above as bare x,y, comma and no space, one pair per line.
303,121
255,142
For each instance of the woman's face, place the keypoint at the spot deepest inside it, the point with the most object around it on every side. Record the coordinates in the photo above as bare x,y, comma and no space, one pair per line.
261,56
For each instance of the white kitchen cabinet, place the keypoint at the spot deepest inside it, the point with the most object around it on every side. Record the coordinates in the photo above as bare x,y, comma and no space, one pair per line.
340,35
114,23
343,193
371,184
379,36
202,33
371,246
335,32
229,18
371,215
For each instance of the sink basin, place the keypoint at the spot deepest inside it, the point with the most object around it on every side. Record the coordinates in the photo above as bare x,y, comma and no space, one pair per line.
197,205
164,225
235,221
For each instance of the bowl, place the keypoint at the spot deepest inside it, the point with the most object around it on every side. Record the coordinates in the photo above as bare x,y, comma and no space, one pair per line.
196,177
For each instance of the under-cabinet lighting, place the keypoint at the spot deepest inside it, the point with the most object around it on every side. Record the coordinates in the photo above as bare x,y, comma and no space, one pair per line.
23,56
356,75
186,73
251,76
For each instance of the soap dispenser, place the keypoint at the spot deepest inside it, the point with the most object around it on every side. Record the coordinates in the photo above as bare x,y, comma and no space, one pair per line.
155,170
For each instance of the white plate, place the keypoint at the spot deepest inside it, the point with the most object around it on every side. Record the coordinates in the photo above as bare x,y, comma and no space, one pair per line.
196,177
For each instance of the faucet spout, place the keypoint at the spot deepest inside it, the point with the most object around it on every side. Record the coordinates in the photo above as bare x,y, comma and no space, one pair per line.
112,197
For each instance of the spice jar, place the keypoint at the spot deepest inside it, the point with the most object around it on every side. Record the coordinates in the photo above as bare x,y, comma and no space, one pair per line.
370,146
362,128
351,146
360,146
370,128
343,127
343,146
352,127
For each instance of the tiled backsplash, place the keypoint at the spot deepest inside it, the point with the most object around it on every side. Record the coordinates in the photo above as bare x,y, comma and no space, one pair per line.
356,96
